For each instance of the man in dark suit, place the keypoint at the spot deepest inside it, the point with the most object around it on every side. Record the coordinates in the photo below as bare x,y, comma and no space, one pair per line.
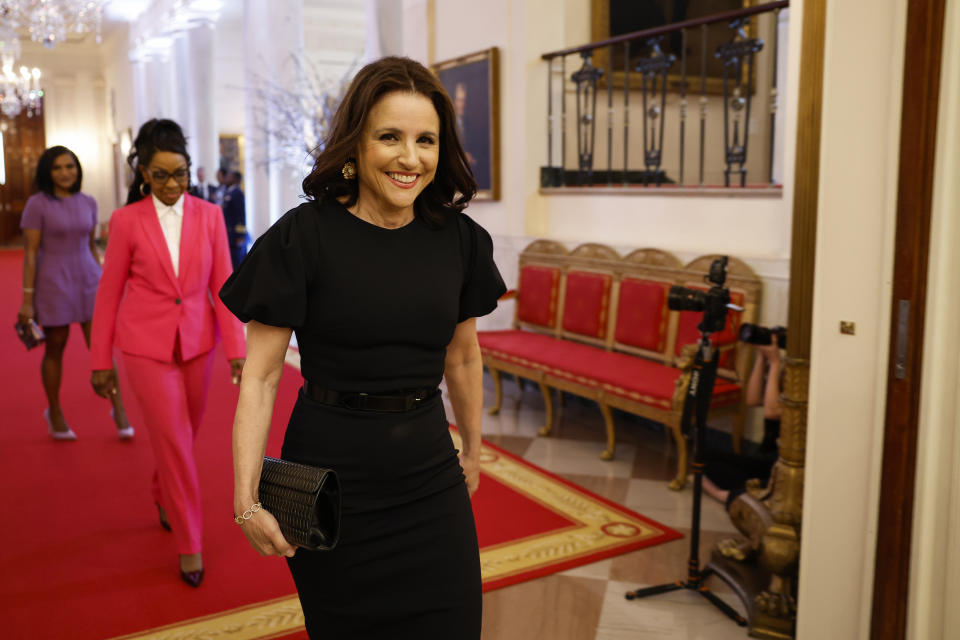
202,189
235,217
221,187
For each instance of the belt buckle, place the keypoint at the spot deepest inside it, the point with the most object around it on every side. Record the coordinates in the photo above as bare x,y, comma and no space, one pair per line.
353,400
414,399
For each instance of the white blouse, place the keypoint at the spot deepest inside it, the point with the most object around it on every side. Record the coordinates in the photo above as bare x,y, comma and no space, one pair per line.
171,221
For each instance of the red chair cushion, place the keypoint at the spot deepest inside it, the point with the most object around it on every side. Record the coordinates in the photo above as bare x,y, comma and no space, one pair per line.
586,303
652,383
537,297
642,314
638,379
688,333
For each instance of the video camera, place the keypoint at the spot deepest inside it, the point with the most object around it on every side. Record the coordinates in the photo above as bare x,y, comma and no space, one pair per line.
755,334
713,303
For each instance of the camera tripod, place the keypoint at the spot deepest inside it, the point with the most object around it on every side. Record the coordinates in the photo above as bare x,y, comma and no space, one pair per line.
695,405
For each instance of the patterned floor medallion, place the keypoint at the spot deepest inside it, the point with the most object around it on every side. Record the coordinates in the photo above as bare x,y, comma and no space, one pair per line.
597,527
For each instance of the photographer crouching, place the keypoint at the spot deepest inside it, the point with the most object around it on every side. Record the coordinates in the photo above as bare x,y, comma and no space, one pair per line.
726,474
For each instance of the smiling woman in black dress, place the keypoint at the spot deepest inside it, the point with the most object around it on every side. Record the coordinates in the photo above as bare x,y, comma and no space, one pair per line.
382,278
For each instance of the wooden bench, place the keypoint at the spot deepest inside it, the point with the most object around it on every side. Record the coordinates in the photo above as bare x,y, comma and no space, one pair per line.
595,324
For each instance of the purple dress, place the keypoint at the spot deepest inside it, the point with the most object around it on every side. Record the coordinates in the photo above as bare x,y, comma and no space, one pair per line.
67,274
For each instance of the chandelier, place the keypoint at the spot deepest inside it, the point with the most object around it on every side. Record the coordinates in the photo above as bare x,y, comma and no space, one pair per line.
20,91
49,21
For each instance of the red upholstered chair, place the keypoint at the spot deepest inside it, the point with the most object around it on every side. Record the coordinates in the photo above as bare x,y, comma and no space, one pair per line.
586,304
538,296
536,313
537,299
595,324
586,296
642,316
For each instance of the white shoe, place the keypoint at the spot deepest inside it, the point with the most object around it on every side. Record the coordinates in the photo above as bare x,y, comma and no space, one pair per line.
124,434
58,435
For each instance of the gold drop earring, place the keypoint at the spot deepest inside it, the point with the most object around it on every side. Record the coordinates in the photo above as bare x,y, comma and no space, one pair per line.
349,170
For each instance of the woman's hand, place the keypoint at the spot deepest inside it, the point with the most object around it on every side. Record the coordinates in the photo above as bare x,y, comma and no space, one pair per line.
770,351
104,382
263,534
26,313
471,471
236,370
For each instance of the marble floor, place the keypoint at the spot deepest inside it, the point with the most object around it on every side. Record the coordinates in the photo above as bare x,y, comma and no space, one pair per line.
587,603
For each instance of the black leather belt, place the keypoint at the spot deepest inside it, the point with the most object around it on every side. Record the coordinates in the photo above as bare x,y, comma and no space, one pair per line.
360,401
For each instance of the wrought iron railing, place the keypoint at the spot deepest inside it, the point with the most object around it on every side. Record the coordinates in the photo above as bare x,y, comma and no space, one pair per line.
738,91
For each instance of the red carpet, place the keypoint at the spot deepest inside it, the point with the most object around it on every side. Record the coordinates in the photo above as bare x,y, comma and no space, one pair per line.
83,556
82,552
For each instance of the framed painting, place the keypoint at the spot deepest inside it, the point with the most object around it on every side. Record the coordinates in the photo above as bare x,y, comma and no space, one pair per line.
231,151
473,84
611,18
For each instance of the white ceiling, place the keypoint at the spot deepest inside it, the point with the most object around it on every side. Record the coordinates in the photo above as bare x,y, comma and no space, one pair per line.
124,10
130,10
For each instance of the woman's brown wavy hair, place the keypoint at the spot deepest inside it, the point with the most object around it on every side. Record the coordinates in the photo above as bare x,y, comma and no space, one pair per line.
453,185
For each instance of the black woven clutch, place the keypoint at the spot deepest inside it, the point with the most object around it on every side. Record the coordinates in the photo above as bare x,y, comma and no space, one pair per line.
305,501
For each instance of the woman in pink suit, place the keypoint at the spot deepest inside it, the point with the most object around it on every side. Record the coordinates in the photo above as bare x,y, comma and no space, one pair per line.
166,260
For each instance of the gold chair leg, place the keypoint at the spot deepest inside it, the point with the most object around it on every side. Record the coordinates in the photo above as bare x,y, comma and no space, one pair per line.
548,406
680,481
611,433
497,391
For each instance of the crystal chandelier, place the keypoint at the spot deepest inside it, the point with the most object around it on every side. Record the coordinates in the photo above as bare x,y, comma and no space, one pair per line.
49,21
20,91
9,45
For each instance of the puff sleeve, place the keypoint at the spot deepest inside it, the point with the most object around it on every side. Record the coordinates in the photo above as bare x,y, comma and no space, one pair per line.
482,283
33,213
271,284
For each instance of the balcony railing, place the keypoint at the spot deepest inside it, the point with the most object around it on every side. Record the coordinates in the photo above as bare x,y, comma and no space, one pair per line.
655,84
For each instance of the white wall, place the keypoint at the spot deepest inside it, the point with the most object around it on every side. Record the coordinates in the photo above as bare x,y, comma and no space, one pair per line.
935,562
118,75
122,122
76,112
229,94
757,230
334,35
854,261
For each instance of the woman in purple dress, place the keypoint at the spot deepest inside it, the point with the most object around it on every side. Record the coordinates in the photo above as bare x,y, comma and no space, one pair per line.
61,269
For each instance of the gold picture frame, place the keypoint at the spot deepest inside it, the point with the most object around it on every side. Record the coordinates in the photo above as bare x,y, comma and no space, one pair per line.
473,82
231,148
601,14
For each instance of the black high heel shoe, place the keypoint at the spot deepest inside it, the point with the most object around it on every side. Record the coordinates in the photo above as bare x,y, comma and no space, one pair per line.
192,578
166,523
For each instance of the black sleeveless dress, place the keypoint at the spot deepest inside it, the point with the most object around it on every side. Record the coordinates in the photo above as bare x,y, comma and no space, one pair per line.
373,310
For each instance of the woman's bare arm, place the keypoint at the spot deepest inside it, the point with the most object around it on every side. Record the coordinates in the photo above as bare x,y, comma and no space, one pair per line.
266,349
94,249
463,371
31,241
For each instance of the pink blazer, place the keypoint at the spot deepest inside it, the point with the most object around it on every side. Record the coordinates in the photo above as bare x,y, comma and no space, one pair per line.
141,305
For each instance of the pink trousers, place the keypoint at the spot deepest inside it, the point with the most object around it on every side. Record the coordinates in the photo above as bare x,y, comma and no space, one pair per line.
172,397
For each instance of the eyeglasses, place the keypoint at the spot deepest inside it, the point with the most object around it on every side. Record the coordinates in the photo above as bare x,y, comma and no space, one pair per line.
161,176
